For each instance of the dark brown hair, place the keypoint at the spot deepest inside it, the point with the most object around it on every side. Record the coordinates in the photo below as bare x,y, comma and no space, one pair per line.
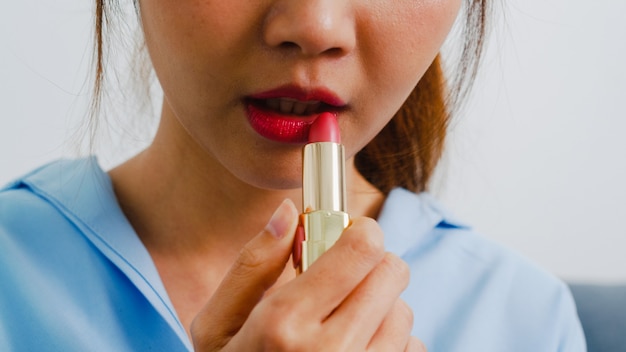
405,153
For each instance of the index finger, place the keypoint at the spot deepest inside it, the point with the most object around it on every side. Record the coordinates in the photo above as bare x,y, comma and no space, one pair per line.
339,271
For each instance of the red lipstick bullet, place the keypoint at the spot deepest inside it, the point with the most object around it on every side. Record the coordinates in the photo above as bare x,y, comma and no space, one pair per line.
325,129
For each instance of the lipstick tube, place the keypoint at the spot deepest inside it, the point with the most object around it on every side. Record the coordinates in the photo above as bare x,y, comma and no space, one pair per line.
323,191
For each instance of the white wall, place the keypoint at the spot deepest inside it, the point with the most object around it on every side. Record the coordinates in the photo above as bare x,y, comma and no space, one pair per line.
537,161
44,56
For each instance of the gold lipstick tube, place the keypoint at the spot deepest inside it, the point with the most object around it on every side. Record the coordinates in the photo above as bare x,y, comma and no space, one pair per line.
324,199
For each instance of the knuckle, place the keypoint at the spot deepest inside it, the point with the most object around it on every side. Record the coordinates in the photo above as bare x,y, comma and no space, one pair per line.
277,308
397,267
247,261
417,345
281,341
406,312
280,333
366,238
202,339
195,328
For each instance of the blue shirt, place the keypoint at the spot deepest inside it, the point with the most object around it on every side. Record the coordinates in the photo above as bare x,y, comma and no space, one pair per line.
74,276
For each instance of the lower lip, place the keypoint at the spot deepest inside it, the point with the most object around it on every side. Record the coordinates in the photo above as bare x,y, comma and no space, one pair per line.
277,127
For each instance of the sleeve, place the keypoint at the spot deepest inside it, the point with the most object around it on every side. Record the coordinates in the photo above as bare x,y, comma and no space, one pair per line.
572,337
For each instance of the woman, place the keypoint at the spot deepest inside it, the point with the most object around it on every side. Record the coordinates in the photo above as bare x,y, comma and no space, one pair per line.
188,243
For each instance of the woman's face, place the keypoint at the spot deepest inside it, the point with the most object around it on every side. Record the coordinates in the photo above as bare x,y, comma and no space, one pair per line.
246,78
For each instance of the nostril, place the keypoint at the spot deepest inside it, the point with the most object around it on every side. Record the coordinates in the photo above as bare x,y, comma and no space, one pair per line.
289,45
310,27
332,52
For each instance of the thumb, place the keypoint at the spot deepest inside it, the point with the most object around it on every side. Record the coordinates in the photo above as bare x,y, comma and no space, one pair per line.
257,268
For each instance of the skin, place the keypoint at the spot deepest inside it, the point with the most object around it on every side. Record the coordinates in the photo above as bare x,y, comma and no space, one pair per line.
200,196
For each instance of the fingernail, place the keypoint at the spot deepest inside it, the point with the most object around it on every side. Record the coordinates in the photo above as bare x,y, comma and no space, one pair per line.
282,219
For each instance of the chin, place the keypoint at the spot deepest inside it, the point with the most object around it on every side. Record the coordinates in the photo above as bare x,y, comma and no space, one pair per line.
274,179
278,183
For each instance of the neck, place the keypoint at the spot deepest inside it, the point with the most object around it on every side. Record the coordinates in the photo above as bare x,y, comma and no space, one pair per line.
180,199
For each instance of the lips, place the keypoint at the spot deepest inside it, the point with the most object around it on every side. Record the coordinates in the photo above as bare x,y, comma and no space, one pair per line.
285,114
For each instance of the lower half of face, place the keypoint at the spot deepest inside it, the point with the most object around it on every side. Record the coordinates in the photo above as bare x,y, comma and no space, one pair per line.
246,79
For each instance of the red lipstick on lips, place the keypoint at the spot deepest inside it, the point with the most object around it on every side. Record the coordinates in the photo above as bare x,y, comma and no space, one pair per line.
270,121
298,93
323,193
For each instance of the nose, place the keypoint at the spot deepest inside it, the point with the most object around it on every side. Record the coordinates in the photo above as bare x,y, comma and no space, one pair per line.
311,27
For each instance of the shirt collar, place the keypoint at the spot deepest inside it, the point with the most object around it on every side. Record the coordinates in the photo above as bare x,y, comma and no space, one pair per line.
408,219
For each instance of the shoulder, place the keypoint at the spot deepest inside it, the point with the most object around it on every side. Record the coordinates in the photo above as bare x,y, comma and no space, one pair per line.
34,203
423,233
25,215
35,225
419,229
71,265
45,214
483,290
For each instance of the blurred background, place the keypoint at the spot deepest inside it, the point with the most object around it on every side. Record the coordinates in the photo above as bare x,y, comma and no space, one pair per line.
535,161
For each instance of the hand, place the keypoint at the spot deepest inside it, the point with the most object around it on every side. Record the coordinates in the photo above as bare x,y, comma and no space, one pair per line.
347,300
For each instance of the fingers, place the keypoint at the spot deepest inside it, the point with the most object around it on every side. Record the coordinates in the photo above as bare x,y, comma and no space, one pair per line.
335,274
346,300
415,345
293,317
373,308
395,330
257,268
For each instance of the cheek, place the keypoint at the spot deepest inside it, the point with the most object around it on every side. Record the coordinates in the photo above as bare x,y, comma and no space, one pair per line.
187,40
398,44
405,37
181,22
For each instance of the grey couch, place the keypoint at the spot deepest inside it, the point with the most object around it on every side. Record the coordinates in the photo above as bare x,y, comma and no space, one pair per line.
602,312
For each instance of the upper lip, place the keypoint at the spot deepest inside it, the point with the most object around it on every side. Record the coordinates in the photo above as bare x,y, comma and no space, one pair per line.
290,91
